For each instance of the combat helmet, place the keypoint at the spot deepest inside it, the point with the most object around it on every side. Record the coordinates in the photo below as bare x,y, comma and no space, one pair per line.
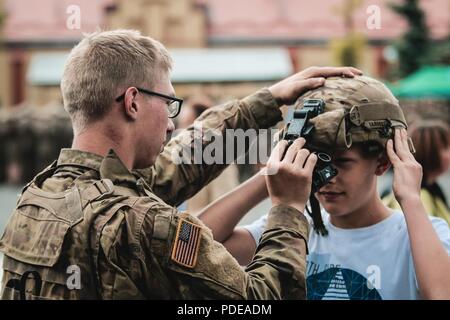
358,109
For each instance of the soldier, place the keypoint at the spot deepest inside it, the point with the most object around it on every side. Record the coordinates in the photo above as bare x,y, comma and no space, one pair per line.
97,225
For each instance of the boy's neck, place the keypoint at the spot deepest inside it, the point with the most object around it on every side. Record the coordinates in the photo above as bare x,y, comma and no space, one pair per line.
373,212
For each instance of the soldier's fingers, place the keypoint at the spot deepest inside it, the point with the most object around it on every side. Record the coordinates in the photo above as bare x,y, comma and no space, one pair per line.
293,149
355,71
311,162
300,158
278,151
308,84
391,153
334,71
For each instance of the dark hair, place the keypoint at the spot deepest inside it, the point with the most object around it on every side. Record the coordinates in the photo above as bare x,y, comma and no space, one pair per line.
430,139
369,149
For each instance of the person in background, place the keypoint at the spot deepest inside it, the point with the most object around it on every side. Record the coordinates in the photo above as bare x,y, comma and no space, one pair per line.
432,142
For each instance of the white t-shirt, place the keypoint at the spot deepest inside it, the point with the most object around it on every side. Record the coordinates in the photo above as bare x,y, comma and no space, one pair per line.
371,263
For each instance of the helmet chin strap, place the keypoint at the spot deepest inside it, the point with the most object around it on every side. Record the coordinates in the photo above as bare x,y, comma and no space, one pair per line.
316,216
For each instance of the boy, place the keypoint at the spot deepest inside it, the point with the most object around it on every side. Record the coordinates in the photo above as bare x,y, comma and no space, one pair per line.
370,252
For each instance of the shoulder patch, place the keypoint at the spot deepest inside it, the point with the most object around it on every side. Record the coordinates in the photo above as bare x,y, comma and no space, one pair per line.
187,243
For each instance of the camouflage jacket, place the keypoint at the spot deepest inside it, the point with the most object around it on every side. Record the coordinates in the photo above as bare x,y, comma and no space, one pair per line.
91,229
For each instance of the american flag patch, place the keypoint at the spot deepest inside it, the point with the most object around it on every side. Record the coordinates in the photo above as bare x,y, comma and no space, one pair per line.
187,242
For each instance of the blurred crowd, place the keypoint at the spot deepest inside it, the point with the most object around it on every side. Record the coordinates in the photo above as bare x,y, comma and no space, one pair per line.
30,140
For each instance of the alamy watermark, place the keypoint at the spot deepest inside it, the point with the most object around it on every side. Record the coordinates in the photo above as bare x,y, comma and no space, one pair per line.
374,19
73,21
373,277
224,146
73,281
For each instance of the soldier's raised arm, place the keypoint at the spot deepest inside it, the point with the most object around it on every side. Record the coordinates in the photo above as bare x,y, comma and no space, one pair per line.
191,265
174,183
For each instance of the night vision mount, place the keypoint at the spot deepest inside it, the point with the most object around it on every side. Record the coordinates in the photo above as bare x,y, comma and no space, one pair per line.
323,172
299,127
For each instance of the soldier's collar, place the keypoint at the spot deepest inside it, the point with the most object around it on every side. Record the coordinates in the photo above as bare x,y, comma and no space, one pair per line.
114,169
109,167
72,157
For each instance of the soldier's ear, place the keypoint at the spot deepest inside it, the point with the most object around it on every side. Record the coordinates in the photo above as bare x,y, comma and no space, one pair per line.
131,105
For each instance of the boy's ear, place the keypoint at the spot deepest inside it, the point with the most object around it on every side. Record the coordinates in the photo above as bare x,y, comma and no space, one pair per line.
383,164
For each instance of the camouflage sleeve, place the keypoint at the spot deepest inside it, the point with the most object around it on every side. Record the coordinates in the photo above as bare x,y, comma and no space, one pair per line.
186,263
174,183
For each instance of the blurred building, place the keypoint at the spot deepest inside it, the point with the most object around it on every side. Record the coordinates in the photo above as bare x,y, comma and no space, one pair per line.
226,46
34,125
306,28
39,27
179,23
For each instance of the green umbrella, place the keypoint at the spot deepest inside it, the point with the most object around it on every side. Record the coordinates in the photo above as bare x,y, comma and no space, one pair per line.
428,82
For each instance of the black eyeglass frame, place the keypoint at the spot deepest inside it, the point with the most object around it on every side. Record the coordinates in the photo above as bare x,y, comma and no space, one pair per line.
153,93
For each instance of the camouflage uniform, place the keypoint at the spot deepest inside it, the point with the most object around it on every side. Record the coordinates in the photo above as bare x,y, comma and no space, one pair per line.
120,229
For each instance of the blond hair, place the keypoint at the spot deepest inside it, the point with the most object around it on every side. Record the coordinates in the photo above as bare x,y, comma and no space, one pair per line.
102,63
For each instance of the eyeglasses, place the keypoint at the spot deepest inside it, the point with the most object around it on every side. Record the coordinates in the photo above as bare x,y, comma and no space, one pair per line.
173,104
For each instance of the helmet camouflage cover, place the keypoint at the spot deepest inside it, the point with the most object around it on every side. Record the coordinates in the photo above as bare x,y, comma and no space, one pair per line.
358,109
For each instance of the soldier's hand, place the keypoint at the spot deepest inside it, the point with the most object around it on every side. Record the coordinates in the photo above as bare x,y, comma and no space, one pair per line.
288,178
288,90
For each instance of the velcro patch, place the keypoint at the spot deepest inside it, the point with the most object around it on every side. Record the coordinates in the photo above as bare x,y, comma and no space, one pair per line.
187,243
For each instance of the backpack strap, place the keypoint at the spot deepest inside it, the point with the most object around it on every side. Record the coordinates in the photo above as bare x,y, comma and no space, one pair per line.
99,190
41,176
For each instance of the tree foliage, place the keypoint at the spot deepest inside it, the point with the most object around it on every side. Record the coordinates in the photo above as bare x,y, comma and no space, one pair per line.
414,46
